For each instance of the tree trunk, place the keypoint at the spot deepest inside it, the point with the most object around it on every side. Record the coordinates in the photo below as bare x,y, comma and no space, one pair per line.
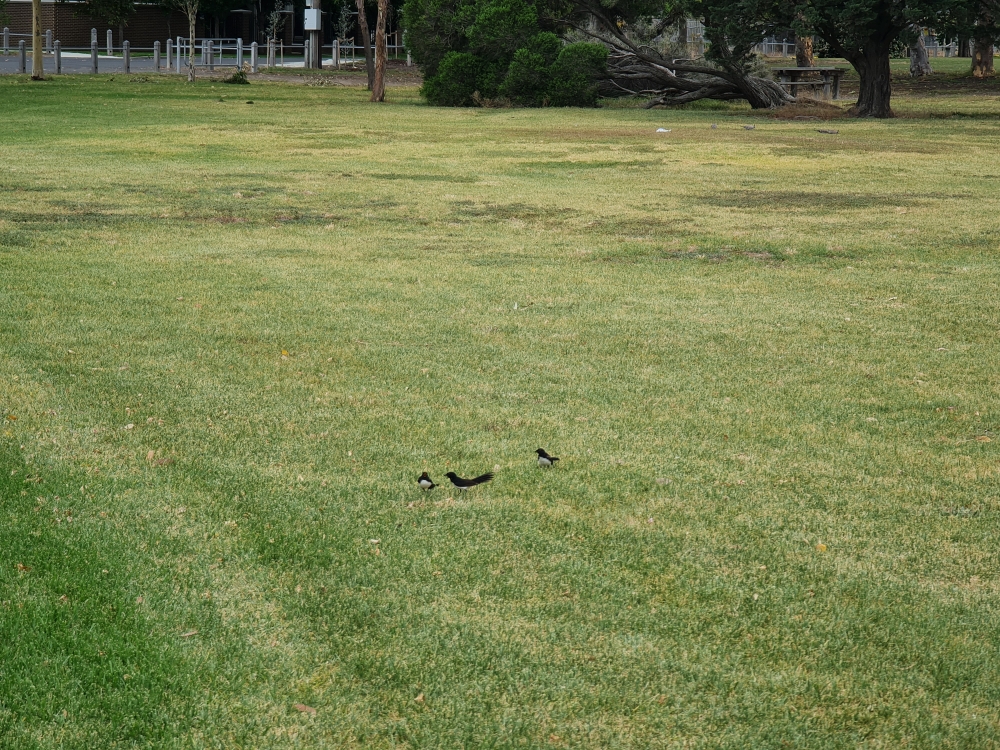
982,58
37,69
378,87
192,14
964,48
761,93
804,52
919,64
366,36
872,64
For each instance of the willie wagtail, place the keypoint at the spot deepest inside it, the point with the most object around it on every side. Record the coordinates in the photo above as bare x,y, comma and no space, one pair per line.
464,484
425,482
544,459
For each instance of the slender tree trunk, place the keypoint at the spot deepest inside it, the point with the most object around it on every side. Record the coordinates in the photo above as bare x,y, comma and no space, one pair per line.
366,36
919,64
964,48
192,14
804,52
37,69
378,89
982,59
872,64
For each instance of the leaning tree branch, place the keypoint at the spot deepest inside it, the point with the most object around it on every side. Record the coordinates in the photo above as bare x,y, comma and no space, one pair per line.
642,71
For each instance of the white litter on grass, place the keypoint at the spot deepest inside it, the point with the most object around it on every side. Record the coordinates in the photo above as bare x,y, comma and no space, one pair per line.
662,130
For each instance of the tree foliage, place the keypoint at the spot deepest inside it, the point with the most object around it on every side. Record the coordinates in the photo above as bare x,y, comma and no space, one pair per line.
474,51
115,13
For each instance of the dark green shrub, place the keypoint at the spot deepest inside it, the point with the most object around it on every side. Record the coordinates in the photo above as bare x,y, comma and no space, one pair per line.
526,79
573,76
456,80
495,48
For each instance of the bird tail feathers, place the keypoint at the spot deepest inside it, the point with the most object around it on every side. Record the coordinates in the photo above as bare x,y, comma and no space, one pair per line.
482,478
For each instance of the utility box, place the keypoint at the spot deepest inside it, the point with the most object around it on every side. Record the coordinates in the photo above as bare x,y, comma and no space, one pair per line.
313,20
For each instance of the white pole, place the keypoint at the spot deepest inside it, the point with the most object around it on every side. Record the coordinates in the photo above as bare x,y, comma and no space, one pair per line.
253,58
111,43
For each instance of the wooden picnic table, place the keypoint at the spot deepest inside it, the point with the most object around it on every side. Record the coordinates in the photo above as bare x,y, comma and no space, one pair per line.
793,78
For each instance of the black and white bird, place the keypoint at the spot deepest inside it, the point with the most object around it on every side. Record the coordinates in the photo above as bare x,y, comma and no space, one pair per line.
425,482
544,459
464,484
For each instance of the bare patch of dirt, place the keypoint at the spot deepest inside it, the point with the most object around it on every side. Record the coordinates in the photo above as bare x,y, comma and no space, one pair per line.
804,108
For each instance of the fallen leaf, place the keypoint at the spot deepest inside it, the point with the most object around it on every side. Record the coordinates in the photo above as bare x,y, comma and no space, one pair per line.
129,426
419,698
11,417
23,568
284,352
189,634
305,709
821,547
150,455
139,600
437,572
554,738
984,439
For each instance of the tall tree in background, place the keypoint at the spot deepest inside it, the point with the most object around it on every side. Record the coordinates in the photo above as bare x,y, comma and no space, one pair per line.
115,13
978,20
984,33
367,39
863,32
378,84
804,51
920,65
37,71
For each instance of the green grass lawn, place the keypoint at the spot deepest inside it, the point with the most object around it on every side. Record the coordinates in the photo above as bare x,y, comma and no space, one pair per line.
233,334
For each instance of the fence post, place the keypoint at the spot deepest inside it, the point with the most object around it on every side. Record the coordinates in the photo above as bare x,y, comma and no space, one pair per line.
336,54
169,58
409,60
270,53
156,56
6,40
306,59
93,36
253,58
126,58
111,43
58,53
23,64
239,52
180,53
93,57
211,55
48,40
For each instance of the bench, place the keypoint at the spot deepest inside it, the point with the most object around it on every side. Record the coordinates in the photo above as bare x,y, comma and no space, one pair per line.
792,79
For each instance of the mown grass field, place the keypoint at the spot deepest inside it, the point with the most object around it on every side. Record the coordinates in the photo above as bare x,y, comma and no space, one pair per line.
232,335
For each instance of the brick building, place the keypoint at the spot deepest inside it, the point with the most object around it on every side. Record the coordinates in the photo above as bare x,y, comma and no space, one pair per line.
148,24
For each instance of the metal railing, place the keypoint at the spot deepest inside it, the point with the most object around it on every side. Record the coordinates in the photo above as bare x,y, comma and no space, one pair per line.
207,52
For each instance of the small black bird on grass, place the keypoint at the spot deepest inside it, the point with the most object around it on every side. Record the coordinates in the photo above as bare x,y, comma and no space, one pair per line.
464,484
425,482
544,459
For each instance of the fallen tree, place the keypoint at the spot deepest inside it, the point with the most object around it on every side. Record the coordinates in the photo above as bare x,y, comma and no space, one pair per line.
638,68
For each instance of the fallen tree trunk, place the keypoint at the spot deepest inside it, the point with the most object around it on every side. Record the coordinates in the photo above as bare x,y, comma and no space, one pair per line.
672,82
